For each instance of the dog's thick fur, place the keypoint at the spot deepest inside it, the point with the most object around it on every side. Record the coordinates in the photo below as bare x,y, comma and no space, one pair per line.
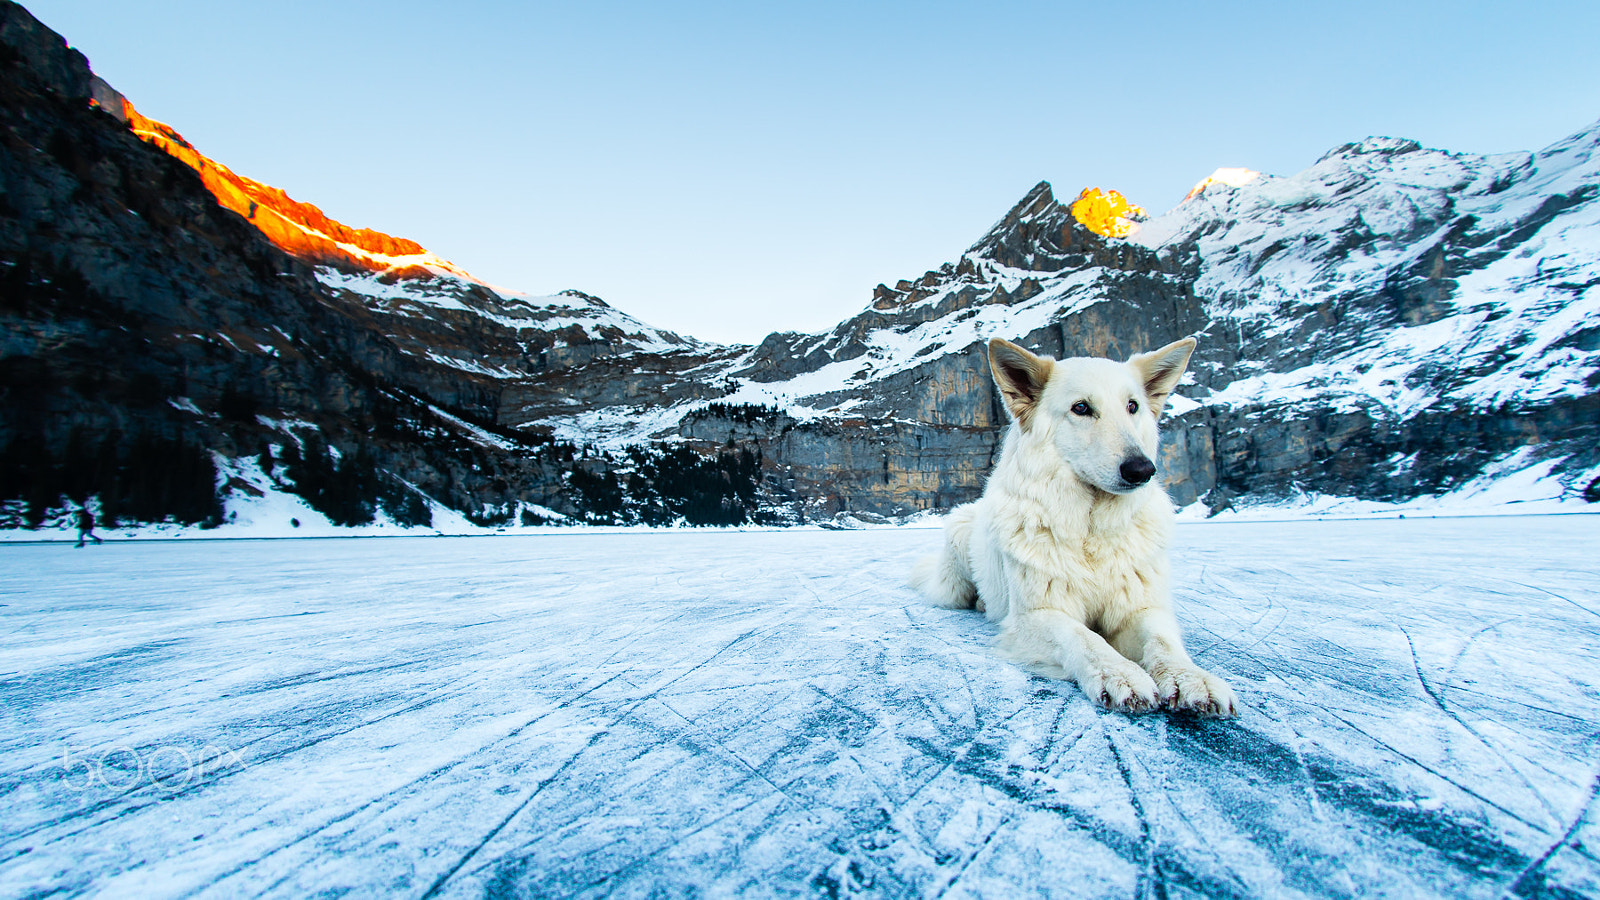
1067,547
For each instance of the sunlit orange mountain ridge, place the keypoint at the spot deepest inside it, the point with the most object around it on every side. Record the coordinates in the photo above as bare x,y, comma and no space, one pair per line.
300,229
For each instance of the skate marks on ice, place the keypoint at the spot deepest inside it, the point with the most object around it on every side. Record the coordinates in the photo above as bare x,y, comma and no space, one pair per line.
773,712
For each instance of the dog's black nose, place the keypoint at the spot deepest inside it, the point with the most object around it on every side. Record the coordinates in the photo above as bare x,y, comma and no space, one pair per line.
1137,470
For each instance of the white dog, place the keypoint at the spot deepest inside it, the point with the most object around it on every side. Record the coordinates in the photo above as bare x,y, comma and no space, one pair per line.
1067,547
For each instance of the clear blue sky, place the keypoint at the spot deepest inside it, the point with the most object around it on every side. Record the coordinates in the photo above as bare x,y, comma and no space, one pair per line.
730,169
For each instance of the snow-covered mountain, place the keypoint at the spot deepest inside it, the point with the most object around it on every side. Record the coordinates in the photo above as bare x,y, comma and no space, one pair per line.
1393,324
1403,320
1413,278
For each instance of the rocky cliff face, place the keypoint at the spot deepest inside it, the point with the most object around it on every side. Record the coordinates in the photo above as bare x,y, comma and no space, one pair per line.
155,314
895,410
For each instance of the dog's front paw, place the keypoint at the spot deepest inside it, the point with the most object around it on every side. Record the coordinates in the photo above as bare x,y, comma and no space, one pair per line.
1123,688
1193,689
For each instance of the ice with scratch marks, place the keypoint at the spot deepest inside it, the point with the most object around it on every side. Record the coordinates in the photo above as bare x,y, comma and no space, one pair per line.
773,713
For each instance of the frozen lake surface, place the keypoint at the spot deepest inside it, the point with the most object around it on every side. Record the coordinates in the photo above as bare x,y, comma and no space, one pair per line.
774,713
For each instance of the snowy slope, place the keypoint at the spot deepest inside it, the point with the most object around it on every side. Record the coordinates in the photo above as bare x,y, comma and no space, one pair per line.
1500,257
488,322
773,713
414,295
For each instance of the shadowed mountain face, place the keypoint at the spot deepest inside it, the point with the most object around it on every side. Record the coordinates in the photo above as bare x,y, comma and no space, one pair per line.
145,322
1392,322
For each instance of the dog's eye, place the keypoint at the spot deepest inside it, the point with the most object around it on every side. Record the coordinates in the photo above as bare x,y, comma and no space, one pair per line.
1081,409
1133,407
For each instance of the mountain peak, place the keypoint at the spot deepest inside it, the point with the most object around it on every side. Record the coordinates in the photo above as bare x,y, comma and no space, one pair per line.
1227,176
1374,146
1039,199
590,299
1107,213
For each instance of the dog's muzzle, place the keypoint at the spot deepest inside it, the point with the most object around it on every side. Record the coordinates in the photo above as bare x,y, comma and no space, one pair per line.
1136,470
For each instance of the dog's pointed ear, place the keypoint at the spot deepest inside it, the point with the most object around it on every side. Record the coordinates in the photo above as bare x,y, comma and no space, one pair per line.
1020,376
1160,370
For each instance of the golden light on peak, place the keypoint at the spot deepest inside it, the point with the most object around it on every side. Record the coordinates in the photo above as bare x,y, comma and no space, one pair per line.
1107,213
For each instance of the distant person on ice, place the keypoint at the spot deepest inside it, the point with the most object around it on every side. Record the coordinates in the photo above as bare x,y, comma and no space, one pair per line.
86,526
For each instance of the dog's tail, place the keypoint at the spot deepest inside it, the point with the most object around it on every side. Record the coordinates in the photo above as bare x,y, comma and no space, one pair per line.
944,577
